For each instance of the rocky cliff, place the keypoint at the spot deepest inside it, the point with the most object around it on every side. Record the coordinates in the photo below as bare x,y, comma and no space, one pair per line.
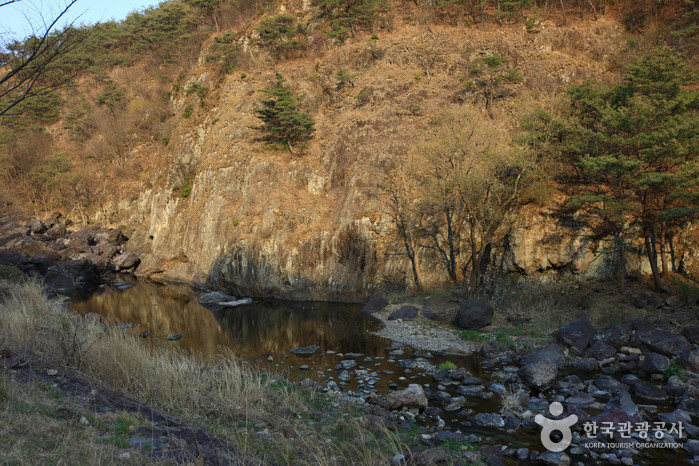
312,225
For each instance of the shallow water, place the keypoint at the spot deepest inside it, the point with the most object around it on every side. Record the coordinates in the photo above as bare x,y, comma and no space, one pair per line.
262,332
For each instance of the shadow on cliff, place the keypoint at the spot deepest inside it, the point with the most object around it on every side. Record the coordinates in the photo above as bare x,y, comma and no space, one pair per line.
340,268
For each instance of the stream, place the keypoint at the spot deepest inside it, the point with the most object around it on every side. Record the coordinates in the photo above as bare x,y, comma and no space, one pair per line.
351,360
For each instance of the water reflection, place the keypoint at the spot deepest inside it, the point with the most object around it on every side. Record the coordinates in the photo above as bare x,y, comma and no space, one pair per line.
257,330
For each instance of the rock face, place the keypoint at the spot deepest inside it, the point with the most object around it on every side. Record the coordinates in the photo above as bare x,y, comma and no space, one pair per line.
411,397
474,314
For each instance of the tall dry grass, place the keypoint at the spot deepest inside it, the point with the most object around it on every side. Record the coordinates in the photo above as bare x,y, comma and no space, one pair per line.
38,329
221,393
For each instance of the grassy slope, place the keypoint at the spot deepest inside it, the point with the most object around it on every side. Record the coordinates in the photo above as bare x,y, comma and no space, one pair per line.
223,396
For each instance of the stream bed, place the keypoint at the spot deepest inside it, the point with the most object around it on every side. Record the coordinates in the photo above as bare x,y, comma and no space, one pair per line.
350,362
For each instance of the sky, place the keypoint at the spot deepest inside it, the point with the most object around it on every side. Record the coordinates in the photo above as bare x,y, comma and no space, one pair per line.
16,19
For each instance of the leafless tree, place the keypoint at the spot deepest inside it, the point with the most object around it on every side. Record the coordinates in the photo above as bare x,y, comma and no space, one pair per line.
37,66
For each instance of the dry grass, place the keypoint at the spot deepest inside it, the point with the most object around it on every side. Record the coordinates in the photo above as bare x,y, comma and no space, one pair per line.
511,402
222,394
33,432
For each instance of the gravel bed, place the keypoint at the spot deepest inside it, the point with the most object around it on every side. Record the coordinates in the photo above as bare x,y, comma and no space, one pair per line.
422,334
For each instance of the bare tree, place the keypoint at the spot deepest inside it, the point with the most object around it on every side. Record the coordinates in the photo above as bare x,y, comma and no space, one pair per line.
36,66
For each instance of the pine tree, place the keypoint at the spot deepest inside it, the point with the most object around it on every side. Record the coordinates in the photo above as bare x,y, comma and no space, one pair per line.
637,146
282,121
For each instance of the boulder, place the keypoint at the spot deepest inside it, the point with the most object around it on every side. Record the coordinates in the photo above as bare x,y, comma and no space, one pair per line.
655,363
601,350
610,384
304,351
405,313
214,300
57,231
37,226
374,305
691,359
624,403
126,260
577,334
539,375
660,341
691,333
649,393
551,353
616,334
116,237
474,314
107,250
411,397
489,420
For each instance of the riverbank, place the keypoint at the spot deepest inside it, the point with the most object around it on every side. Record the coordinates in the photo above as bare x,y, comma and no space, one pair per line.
90,392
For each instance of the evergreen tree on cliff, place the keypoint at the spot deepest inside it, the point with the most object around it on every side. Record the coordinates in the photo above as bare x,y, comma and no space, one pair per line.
282,120
636,144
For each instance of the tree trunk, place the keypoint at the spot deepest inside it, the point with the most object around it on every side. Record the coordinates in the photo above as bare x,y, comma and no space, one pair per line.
451,265
651,258
563,10
663,261
621,260
673,262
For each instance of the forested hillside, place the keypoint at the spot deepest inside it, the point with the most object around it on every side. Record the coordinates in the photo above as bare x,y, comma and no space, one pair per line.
329,149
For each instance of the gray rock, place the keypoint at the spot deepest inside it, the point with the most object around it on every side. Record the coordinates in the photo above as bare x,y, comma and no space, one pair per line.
691,333
432,457
692,447
215,297
471,381
610,384
586,365
411,397
549,457
304,351
441,396
405,313
539,375
676,416
691,359
37,226
444,436
649,393
666,343
616,334
489,420
655,363
601,350
374,305
348,363
474,314
552,353
126,260
581,400
574,333
625,403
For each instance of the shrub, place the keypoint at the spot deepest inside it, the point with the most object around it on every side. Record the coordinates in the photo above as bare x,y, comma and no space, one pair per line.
11,273
277,35
282,121
447,365
188,110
